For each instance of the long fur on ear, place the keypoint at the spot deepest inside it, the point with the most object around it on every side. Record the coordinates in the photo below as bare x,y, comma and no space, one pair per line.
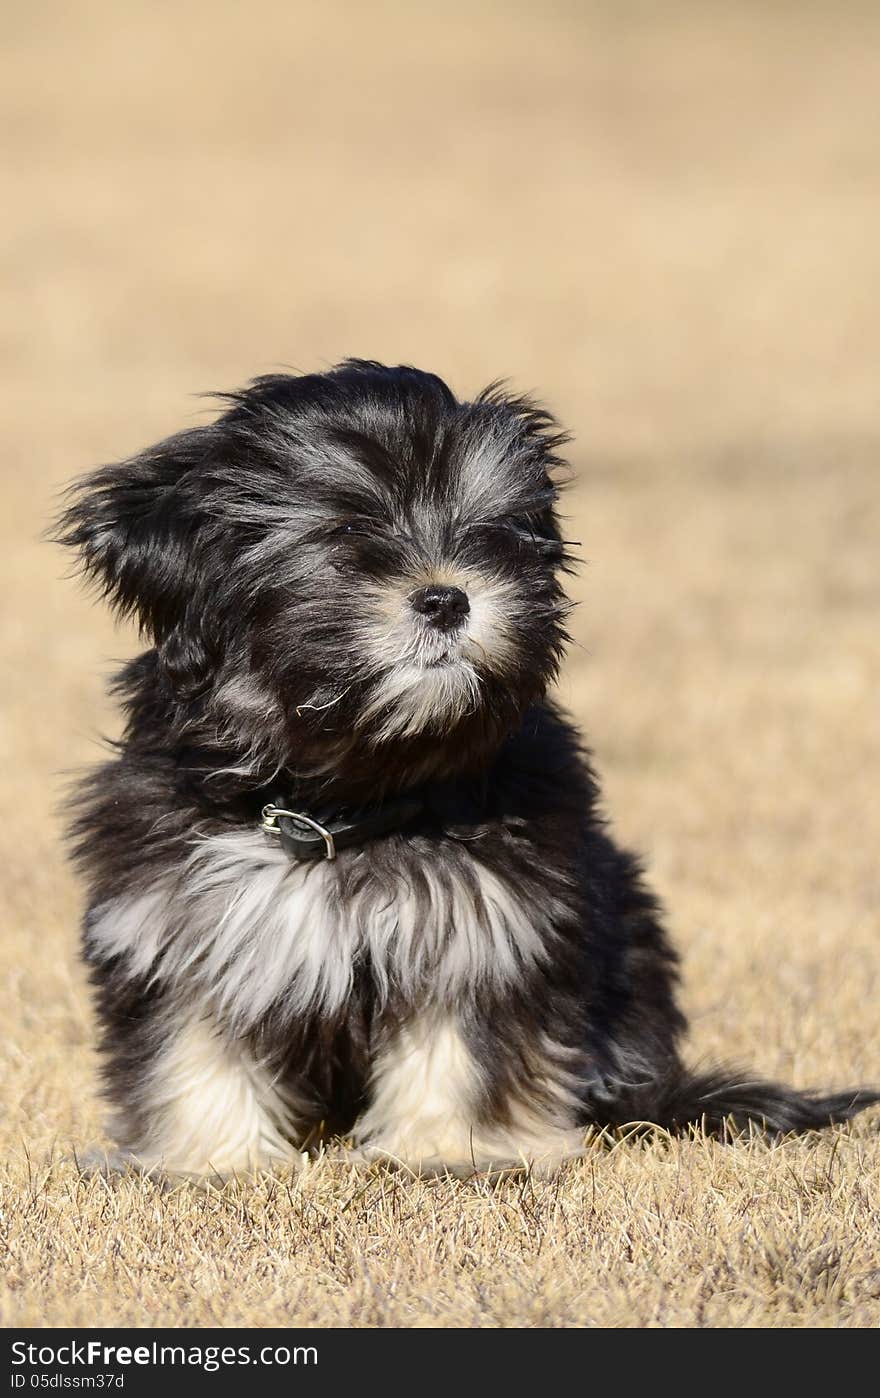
138,526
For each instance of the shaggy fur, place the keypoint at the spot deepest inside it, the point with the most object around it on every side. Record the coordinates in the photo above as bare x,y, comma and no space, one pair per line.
351,583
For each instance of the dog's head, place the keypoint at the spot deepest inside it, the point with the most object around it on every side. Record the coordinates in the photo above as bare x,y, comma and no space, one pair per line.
351,563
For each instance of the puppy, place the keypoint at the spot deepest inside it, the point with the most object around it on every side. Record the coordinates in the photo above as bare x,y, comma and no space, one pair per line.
346,872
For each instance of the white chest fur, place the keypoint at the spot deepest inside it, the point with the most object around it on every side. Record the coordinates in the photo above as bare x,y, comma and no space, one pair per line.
256,930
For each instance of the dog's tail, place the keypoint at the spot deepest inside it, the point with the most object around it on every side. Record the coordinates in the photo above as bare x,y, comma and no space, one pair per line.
714,1099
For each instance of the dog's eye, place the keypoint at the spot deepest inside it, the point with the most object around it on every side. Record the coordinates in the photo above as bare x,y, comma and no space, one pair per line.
534,532
347,528
531,526
527,528
524,524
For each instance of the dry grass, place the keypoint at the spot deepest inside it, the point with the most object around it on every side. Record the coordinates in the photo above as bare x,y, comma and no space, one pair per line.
668,219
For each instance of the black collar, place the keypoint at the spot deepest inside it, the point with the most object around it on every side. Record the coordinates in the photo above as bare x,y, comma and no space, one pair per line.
319,832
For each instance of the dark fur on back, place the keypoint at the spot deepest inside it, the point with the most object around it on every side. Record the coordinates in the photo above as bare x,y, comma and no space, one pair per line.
502,946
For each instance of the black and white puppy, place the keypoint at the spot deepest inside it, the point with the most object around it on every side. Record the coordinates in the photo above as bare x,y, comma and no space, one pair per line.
346,873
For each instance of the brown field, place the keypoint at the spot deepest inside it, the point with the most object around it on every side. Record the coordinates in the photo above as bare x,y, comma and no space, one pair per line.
665,219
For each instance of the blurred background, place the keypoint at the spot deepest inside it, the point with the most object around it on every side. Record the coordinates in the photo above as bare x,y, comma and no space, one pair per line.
664,219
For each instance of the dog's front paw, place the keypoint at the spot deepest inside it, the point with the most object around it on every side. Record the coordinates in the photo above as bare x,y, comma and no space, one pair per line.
473,1156
107,1162
116,1162
396,1155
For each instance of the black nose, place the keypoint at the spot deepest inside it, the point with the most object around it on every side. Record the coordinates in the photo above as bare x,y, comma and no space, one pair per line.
443,607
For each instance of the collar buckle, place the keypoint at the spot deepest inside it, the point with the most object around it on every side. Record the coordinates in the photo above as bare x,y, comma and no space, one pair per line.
272,814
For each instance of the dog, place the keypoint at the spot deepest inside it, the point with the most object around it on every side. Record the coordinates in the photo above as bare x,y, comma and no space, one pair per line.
347,871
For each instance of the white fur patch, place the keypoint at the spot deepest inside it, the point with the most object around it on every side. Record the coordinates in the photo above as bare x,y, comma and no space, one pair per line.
133,928
412,697
254,930
213,1109
425,678
425,1108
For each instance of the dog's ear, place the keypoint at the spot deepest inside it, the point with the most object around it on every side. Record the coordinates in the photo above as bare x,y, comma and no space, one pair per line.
189,651
139,529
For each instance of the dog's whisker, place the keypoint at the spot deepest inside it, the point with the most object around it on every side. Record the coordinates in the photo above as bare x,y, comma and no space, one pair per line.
337,699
